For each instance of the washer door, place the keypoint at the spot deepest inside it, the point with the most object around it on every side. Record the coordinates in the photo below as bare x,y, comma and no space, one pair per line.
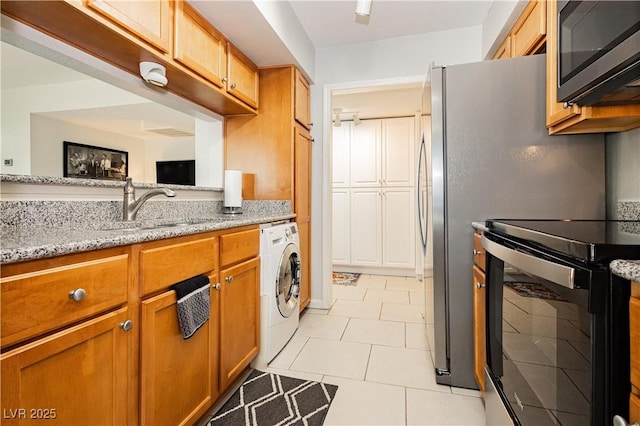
288,283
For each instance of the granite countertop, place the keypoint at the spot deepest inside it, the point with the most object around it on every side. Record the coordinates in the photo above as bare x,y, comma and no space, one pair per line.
35,242
627,269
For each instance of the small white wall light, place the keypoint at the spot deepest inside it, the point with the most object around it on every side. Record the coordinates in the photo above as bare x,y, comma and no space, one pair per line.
363,7
153,73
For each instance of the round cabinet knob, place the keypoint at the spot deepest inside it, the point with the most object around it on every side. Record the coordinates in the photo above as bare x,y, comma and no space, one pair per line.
217,286
77,294
233,85
480,285
228,279
224,79
126,325
476,252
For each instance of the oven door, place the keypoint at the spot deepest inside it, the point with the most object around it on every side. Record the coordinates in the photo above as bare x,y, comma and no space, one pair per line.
543,337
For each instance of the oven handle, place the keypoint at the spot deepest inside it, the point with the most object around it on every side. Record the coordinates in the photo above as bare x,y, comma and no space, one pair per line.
551,271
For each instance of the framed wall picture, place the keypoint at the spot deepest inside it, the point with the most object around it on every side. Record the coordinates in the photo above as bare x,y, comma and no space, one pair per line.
93,162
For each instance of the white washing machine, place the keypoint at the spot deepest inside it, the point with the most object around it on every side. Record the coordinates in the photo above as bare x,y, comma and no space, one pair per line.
280,289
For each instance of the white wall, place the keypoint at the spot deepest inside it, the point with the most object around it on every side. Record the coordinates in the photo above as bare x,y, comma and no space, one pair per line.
18,104
48,134
164,150
391,60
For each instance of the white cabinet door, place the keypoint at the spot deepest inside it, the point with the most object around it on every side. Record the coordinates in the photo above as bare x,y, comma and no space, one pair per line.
365,154
366,227
341,148
398,151
399,237
341,214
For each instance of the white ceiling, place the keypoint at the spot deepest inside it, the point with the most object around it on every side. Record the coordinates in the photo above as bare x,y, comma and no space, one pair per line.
333,23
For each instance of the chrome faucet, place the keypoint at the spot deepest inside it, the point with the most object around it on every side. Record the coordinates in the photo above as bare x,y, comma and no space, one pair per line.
130,205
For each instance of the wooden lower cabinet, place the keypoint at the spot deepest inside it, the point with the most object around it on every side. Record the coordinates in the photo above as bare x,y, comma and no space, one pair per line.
179,378
77,376
239,319
479,325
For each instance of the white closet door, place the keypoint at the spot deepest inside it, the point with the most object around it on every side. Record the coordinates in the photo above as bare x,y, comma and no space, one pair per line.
341,214
399,237
398,142
366,154
366,227
340,165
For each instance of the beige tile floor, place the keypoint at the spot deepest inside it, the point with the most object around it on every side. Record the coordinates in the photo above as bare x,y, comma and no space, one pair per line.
375,343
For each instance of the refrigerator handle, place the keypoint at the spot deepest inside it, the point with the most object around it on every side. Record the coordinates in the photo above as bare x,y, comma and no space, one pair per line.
419,199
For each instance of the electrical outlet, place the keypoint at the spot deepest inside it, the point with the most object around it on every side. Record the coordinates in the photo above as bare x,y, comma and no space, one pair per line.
8,162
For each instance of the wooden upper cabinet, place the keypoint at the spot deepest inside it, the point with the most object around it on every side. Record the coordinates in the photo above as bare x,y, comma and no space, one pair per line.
529,32
242,76
149,20
576,119
504,51
302,101
198,45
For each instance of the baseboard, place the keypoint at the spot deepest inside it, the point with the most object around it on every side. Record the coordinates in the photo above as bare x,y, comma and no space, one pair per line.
398,272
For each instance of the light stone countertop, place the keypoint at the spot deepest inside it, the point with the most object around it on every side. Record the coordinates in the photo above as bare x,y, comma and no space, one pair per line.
35,242
627,269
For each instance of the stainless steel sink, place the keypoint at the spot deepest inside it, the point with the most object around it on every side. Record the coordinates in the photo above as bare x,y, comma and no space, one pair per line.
146,225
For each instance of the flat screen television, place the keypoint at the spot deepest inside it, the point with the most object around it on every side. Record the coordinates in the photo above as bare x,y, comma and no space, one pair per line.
181,172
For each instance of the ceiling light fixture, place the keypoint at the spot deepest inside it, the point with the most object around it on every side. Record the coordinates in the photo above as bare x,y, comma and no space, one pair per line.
363,7
153,73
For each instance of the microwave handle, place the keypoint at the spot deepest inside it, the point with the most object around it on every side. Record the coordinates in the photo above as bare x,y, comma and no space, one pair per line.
551,271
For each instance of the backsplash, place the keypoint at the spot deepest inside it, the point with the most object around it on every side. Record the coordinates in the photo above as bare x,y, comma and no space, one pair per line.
24,213
628,210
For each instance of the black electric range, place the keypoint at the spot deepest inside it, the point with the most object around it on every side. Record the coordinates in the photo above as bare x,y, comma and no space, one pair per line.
589,241
558,335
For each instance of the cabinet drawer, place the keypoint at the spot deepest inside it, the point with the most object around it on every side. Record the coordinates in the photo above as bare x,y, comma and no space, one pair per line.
39,301
479,253
164,265
239,246
634,327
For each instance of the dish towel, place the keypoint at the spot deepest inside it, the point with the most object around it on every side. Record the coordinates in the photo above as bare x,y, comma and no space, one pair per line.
193,304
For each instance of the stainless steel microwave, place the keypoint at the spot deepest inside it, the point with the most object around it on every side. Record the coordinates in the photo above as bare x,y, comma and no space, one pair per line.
598,52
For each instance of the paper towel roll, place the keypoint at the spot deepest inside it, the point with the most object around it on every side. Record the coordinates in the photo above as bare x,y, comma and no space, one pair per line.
232,188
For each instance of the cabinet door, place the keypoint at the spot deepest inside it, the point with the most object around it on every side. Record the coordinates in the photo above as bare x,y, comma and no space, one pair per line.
302,203
239,319
77,376
398,228
304,231
302,110
530,30
479,293
340,147
398,151
242,77
366,227
365,154
504,50
198,45
179,378
149,20
340,225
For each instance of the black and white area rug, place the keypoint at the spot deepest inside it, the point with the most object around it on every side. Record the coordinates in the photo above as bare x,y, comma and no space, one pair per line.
266,399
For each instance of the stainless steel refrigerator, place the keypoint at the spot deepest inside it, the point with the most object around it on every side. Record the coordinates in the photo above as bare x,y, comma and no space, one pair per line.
492,157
